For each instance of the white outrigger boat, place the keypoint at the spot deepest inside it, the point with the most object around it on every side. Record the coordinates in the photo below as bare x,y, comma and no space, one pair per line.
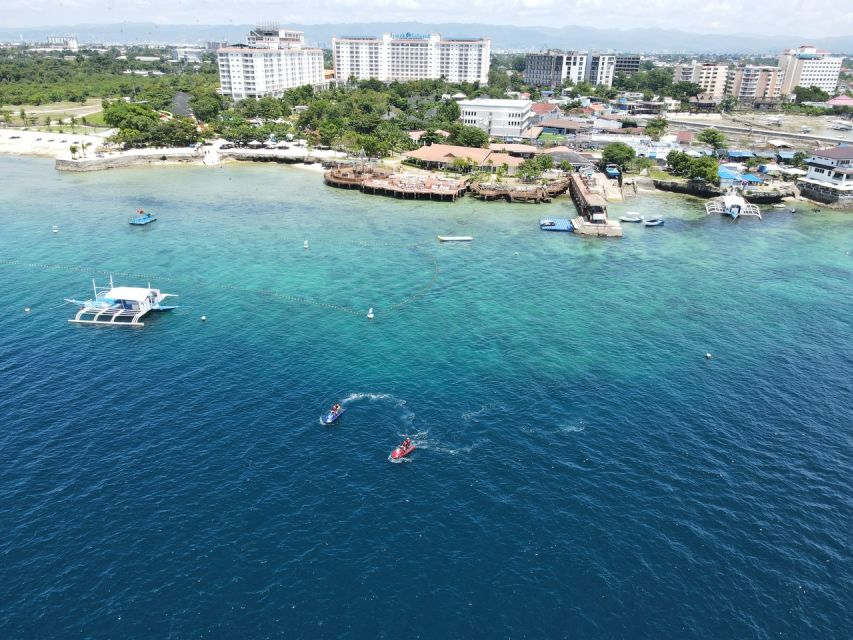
119,306
732,205
455,238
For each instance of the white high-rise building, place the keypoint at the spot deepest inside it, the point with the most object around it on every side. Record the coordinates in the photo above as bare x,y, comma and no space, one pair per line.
710,76
411,57
273,61
600,69
806,66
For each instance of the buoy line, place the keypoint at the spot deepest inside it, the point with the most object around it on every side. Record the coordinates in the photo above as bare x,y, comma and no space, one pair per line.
418,247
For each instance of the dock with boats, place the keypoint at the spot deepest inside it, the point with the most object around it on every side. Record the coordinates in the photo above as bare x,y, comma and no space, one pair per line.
592,209
409,186
524,193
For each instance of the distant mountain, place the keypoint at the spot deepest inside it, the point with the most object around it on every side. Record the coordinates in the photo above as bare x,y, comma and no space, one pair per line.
504,37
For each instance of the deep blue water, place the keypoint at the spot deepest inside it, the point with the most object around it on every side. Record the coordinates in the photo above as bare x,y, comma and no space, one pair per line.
582,470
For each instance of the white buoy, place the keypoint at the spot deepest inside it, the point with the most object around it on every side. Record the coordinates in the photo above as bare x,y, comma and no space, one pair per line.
27,309
708,356
204,318
370,313
305,245
56,228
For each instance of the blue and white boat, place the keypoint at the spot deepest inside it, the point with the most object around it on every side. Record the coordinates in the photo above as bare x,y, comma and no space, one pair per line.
631,216
333,414
119,306
654,222
142,218
732,205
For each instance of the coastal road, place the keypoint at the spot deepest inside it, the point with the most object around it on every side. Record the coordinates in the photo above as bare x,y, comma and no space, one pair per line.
747,130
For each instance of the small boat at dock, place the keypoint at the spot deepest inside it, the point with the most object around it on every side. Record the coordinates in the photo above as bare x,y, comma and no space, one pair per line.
142,218
654,222
455,238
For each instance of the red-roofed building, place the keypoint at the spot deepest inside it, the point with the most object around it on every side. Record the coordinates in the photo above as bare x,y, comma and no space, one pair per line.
840,101
543,111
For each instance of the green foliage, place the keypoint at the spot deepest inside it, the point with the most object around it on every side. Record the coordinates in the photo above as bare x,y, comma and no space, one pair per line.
535,166
713,138
638,164
728,104
467,136
704,168
448,111
656,127
141,126
799,160
206,105
810,94
617,153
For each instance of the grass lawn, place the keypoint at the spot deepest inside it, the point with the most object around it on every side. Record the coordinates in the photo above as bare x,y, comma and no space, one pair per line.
54,110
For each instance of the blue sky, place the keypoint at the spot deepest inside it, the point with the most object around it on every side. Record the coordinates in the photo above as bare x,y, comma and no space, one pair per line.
771,17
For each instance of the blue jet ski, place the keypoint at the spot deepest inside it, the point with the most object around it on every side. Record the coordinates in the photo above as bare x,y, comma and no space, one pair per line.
333,414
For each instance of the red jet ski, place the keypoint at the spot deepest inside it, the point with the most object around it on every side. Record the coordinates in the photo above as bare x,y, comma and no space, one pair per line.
404,449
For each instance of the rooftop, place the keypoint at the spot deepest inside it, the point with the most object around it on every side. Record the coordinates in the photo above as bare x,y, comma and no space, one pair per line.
842,152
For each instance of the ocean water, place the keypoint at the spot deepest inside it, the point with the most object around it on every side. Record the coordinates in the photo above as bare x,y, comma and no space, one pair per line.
582,470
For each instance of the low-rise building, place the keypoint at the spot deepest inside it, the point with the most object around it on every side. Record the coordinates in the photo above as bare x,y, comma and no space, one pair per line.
190,55
830,176
543,111
498,118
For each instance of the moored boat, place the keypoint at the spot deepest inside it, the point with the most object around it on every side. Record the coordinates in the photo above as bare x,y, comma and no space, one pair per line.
455,238
654,222
732,205
119,306
142,217
631,216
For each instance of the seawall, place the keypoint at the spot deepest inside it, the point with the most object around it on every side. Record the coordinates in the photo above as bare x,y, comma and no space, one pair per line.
130,160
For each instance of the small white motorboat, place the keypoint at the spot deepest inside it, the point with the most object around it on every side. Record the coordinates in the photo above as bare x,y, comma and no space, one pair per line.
631,216
654,222
455,238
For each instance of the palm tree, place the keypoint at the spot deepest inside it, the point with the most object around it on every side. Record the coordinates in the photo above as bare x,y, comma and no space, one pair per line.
47,121
73,122
73,149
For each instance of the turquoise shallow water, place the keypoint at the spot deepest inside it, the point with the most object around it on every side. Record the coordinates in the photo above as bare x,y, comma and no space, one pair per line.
583,471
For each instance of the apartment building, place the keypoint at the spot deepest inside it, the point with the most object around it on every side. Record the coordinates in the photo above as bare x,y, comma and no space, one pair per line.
806,66
751,81
627,63
710,76
553,67
498,118
830,176
273,61
409,56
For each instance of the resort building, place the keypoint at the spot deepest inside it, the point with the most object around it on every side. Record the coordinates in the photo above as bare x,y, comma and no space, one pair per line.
806,66
411,57
627,63
553,67
191,55
710,76
440,156
830,176
273,61
63,43
498,118
751,82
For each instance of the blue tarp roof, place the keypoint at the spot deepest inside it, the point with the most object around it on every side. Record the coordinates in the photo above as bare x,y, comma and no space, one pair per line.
786,155
732,153
728,174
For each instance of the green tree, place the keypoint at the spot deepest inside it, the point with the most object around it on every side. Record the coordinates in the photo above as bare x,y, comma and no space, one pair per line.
678,163
206,106
656,127
810,94
617,153
467,136
799,160
448,111
704,168
713,138
728,104
73,149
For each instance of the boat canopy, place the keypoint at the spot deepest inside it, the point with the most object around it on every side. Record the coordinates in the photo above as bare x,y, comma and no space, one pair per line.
136,294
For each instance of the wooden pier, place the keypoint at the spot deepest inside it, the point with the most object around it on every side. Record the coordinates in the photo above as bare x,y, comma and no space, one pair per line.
409,186
526,193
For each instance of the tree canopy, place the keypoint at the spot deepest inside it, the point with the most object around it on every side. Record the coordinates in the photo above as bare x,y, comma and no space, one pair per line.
712,137
617,153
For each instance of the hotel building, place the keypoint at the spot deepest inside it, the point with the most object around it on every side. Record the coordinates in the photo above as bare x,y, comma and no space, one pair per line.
273,61
498,118
830,176
411,57
806,66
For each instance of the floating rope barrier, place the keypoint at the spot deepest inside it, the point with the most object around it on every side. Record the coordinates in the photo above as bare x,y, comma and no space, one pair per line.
305,300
